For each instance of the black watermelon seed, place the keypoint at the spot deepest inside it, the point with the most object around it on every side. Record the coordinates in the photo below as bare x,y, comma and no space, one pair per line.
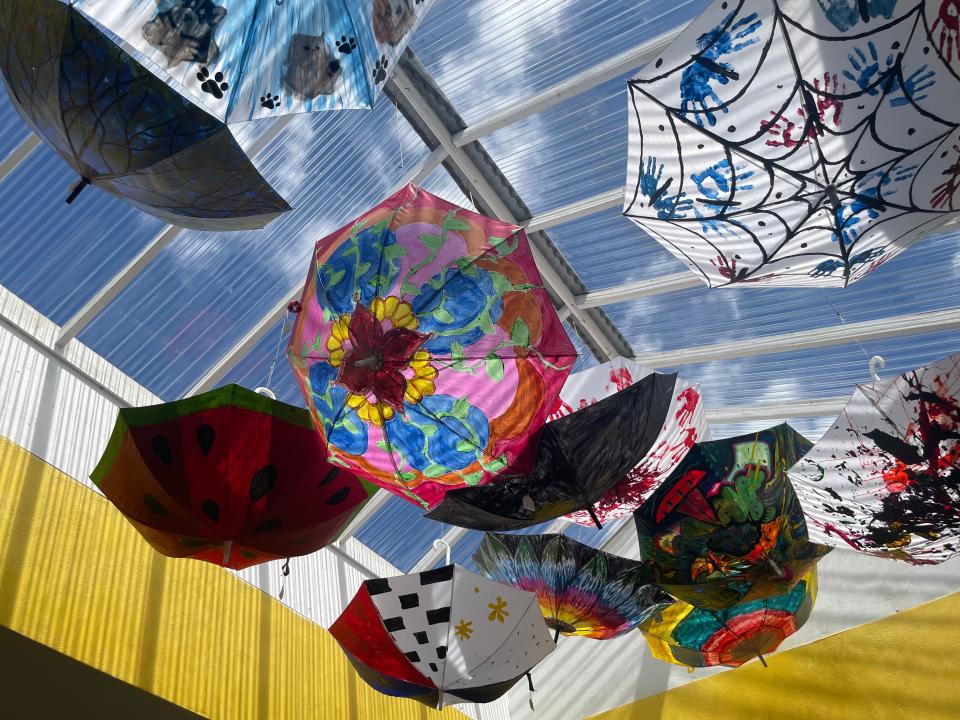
261,482
248,555
161,446
339,496
271,524
211,510
330,476
205,437
193,543
154,505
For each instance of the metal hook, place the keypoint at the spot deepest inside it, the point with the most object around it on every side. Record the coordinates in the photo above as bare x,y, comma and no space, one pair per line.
436,546
876,361
266,392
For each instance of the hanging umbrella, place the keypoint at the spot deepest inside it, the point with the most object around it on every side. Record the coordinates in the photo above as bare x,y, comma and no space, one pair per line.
427,349
726,526
885,478
582,591
578,458
251,59
443,636
686,635
123,130
229,476
787,142
685,424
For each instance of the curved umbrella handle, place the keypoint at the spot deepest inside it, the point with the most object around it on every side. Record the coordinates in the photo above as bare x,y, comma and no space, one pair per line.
440,542
266,392
875,362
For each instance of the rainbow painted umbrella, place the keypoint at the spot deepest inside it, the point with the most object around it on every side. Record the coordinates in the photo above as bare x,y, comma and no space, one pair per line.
427,350
229,476
686,635
582,591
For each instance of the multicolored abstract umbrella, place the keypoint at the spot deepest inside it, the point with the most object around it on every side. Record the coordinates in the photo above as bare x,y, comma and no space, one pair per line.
250,59
229,476
582,591
427,349
885,478
122,129
789,142
578,458
686,423
443,636
686,635
726,526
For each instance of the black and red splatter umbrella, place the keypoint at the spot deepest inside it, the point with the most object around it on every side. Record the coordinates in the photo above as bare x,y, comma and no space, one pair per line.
229,476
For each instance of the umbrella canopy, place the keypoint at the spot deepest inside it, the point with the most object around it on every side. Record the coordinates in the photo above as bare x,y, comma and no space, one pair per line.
685,424
251,59
686,635
229,476
578,458
427,349
443,636
788,142
582,591
885,478
726,526
122,129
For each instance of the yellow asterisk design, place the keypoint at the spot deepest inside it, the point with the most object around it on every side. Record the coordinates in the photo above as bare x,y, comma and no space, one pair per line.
498,610
463,629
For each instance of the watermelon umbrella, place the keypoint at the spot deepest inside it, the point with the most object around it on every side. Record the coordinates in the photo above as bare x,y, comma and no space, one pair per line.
885,478
122,129
427,350
578,458
686,635
685,424
229,476
726,526
582,591
443,636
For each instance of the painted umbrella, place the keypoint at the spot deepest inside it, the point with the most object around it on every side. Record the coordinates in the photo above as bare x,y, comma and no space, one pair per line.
250,59
122,129
694,637
885,478
726,526
685,424
427,350
443,636
229,476
578,458
582,591
790,142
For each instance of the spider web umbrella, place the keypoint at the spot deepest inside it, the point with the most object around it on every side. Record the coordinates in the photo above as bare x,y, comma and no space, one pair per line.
250,59
795,142
427,349
885,478
122,129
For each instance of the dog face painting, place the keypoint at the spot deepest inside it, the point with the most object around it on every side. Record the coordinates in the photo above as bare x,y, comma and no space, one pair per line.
311,68
183,30
392,20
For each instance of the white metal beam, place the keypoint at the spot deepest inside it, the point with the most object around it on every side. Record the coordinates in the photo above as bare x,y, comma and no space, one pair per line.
20,153
432,555
825,407
371,508
646,288
581,208
351,561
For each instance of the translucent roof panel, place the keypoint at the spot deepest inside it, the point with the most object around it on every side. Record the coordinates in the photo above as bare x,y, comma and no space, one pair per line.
400,533
12,129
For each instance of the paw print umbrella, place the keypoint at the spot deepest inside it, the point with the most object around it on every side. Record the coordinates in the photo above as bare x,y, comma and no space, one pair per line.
686,635
251,59
798,143
229,476
427,350
577,459
726,526
443,636
885,478
123,130
582,591
685,424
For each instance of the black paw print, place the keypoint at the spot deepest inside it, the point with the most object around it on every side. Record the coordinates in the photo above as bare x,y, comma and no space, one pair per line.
215,85
269,101
346,45
380,71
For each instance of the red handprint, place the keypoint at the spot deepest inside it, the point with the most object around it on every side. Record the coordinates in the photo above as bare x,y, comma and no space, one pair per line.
788,134
621,378
559,410
689,397
948,22
943,193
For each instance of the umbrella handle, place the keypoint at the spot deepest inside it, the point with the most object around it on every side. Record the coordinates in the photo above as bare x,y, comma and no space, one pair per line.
441,542
875,362
227,547
266,392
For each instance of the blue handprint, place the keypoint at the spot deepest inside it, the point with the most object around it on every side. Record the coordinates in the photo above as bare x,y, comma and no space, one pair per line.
827,267
919,81
844,14
668,207
695,88
719,178
873,79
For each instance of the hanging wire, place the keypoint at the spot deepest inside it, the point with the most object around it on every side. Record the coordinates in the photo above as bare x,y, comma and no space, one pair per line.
844,322
399,137
292,309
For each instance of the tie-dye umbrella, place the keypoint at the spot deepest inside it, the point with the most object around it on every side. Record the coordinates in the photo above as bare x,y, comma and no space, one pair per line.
229,476
792,142
726,526
694,637
582,591
578,458
685,424
122,129
427,349
885,478
250,59
443,636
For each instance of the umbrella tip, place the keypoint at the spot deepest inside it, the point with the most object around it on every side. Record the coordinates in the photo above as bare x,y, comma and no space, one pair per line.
77,189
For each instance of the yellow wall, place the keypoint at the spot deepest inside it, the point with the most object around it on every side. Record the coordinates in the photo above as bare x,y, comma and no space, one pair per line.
904,667
75,576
